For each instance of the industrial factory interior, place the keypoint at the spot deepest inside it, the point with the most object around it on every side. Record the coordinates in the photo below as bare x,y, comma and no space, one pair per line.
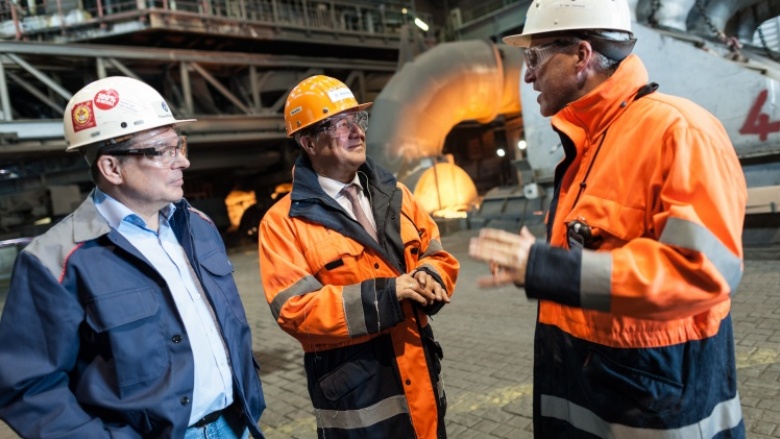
452,117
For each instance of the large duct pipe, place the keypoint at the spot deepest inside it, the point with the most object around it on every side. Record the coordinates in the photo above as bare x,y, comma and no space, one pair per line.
747,21
448,84
717,13
664,14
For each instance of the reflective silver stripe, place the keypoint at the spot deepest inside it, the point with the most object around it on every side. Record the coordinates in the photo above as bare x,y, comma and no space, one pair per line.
353,310
725,416
596,280
440,387
433,247
303,286
385,409
687,234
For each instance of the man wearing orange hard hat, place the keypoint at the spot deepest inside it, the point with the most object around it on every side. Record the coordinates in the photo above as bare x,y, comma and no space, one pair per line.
352,267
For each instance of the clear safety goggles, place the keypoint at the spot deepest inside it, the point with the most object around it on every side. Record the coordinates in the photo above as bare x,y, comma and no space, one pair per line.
536,56
157,152
341,125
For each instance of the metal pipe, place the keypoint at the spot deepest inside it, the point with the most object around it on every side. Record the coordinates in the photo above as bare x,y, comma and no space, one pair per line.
40,75
5,101
221,88
189,106
37,93
448,84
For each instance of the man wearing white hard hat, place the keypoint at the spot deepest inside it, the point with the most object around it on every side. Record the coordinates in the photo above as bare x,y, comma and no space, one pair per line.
643,252
123,320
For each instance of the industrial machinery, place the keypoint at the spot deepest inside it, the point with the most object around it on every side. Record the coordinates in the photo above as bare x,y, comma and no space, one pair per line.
714,53
452,120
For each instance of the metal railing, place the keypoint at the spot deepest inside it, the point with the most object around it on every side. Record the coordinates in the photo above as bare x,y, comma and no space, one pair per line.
35,20
483,8
9,248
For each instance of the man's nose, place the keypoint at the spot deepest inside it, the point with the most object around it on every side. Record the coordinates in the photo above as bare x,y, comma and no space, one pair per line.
181,162
529,76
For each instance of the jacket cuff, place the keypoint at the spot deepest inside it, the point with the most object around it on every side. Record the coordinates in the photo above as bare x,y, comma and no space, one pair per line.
434,307
380,304
553,273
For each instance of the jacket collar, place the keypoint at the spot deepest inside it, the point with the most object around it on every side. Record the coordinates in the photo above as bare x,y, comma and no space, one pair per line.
593,113
307,187
89,224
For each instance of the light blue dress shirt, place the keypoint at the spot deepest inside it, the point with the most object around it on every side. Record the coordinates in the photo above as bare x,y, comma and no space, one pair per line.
213,387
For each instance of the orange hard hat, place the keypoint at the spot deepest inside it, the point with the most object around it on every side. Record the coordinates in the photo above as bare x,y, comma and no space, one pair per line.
316,98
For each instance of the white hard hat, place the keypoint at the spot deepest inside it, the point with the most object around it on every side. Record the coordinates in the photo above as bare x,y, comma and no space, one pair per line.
546,16
114,107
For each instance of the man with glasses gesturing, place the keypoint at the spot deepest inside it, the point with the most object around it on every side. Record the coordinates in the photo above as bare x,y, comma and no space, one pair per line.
123,320
634,335
352,267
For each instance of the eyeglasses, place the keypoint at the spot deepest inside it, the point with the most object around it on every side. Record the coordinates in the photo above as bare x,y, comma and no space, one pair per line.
536,56
341,125
163,157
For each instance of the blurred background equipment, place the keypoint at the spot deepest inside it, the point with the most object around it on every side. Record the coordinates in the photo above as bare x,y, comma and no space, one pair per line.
451,116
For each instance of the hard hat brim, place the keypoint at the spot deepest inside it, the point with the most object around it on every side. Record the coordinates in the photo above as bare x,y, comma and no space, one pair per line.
518,40
175,123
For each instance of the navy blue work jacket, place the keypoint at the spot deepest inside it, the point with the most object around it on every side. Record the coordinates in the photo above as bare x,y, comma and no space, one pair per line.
91,342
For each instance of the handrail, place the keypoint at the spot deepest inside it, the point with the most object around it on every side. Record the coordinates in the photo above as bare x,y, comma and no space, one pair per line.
339,16
15,242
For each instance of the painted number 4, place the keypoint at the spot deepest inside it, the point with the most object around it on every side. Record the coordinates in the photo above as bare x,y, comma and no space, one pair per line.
758,122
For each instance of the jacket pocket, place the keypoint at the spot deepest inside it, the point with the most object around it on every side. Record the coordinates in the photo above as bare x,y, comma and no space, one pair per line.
353,377
218,276
609,224
130,321
344,380
639,383
338,260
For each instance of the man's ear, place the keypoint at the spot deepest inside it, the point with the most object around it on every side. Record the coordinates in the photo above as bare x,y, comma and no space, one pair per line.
584,54
307,144
110,168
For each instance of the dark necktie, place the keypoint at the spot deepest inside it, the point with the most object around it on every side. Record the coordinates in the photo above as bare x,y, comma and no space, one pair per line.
351,192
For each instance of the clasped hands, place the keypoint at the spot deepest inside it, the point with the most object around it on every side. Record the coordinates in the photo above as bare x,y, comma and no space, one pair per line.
420,287
506,254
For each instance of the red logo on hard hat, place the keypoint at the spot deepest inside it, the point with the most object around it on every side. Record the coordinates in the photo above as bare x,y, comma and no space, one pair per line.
106,99
83,116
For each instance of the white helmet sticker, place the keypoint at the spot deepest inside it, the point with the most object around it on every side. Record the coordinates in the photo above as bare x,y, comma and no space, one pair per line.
162,109
82,116
339,94
106,99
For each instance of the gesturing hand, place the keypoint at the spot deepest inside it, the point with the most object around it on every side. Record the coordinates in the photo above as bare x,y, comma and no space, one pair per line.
506,253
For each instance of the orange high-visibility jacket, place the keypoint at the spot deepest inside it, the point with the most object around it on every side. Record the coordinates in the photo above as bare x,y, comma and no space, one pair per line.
634,331
371,361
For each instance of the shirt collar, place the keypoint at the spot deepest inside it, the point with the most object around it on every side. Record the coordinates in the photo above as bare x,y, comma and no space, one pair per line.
115,212
334,187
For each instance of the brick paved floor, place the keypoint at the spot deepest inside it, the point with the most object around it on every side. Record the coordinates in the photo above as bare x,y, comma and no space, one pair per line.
487,340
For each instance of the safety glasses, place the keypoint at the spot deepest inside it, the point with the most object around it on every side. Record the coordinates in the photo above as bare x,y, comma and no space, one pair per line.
341,125
160,154
536,56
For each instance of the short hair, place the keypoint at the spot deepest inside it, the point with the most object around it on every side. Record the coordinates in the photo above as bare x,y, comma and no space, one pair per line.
614,45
